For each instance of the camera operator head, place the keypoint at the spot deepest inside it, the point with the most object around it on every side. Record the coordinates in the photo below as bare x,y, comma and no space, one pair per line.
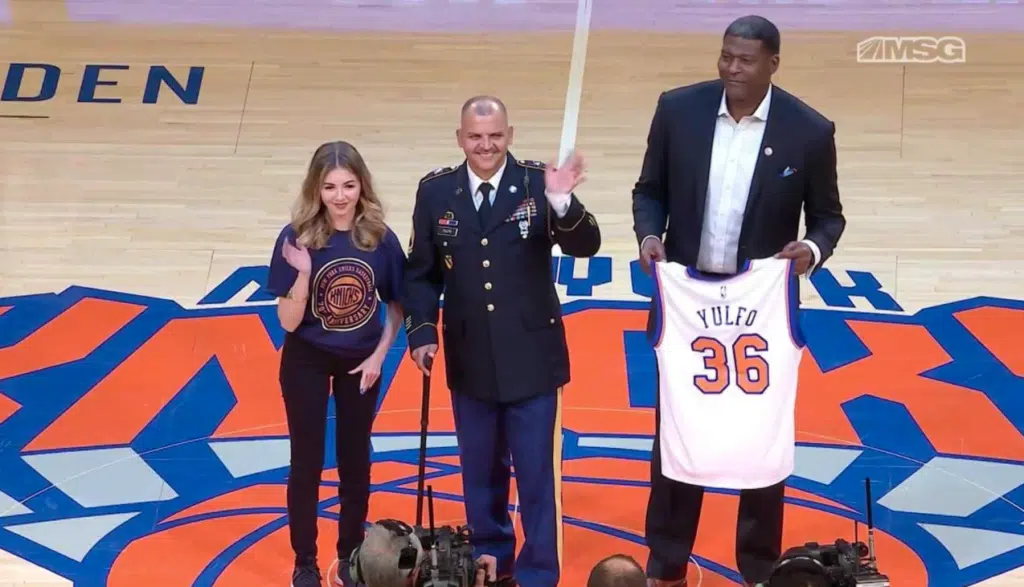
388,557
617,570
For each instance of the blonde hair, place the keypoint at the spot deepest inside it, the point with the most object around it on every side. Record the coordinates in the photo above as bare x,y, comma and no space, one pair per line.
309,215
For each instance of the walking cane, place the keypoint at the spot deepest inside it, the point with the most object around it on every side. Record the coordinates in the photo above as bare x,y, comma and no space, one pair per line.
424,419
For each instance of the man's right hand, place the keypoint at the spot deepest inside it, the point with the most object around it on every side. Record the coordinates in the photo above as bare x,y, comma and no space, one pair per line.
421,355
651,251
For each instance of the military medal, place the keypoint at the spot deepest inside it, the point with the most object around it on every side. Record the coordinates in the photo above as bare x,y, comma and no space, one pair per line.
523,213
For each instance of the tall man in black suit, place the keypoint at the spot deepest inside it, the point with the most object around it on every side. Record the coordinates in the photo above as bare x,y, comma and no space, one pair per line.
482,235
729,165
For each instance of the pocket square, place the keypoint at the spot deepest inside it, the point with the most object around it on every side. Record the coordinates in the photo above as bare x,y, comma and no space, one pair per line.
788,171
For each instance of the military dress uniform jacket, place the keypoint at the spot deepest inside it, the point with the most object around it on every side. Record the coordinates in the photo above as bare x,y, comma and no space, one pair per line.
502,329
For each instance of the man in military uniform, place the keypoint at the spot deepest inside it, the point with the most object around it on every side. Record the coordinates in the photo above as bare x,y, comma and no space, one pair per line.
482,234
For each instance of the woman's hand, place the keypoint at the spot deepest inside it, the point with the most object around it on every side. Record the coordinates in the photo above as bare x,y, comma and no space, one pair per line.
297,256
370,368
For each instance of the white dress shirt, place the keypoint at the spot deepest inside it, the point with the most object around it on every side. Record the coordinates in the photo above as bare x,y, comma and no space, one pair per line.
734,153
559,202
475,182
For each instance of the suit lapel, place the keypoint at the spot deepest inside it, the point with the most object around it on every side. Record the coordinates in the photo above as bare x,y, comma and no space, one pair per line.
704,141
768,149
465,211
505,199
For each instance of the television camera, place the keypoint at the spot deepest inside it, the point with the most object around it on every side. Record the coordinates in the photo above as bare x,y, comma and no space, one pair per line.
449,559
841,564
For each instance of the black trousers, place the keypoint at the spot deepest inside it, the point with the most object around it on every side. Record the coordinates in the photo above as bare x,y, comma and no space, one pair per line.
308,376
673,512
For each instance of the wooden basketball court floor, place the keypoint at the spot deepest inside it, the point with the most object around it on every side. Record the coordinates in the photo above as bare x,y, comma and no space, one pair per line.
141,431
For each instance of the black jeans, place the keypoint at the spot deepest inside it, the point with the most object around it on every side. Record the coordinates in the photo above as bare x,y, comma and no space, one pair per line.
308,376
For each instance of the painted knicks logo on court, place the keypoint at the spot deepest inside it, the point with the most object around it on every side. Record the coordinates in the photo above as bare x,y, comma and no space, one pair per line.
345,298
142,443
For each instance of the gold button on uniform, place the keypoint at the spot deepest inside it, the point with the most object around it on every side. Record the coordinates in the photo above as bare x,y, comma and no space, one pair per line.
490,307
483,242
487,285
487,263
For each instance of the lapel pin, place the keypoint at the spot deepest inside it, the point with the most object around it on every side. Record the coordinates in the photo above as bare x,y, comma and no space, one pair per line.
768,151
512,189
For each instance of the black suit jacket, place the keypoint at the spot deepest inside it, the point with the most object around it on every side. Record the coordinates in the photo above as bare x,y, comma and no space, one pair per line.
670,196
502,329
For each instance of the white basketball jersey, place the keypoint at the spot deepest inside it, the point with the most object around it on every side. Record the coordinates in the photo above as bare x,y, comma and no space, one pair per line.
728,351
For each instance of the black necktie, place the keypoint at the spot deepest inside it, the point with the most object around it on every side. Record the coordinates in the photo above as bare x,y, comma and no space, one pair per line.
485,205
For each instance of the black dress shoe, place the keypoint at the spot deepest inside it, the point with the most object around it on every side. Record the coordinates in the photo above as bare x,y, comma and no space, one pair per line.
666,582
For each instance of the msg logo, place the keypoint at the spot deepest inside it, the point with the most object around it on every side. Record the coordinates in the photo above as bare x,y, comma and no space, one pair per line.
912,50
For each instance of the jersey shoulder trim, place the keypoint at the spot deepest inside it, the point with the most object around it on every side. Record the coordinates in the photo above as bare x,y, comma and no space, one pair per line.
440,171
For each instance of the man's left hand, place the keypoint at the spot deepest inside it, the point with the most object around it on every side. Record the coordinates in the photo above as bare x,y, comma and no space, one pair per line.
487,571
801,253
564,179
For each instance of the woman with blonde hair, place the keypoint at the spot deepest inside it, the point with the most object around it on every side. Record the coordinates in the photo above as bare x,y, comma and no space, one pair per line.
332,268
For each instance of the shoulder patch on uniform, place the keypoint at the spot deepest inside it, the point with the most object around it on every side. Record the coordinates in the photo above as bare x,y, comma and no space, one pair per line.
532,164
438,172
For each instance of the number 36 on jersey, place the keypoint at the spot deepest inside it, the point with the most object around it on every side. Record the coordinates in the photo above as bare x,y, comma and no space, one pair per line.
724,334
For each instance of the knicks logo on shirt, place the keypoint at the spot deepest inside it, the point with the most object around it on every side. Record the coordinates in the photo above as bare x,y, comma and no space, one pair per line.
343,294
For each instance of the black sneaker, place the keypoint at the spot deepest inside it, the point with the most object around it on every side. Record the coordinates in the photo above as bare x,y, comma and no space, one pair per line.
306,576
